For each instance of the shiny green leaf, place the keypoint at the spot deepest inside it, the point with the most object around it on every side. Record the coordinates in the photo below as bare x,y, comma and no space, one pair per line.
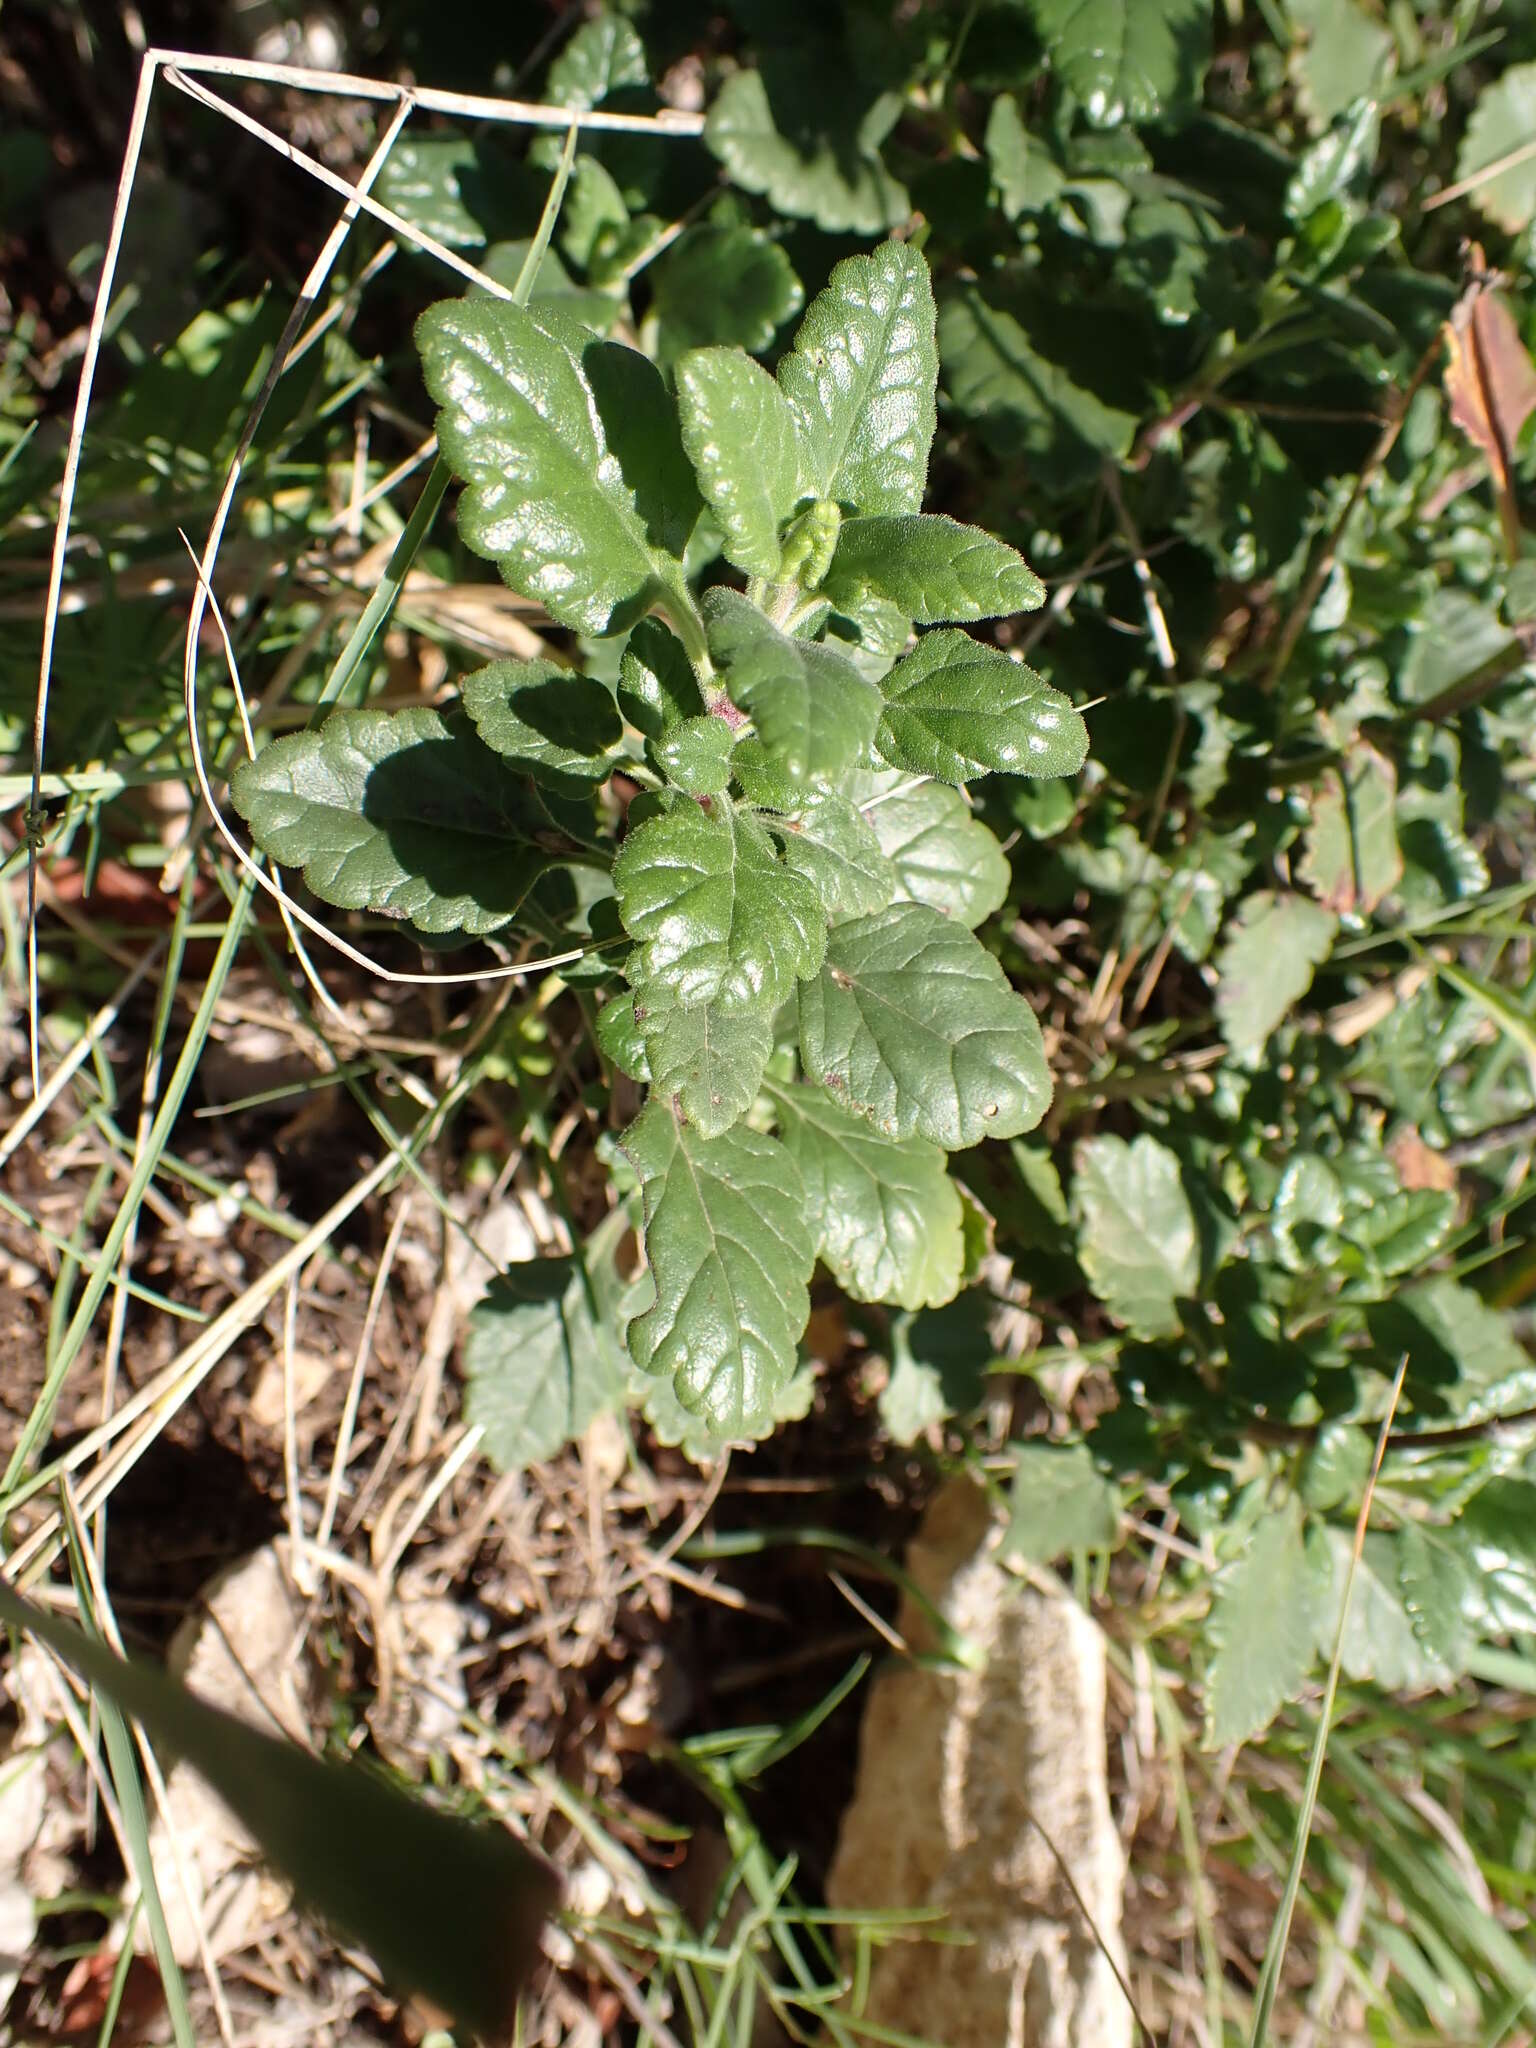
710,1057
831,842
1266,966
814,712
1127,60
885,1215
955,709
562,729
405,813
912,1024
862,376
941,854
837,180
730,1253
932,569
1137,1240
715,915
564,444
743,441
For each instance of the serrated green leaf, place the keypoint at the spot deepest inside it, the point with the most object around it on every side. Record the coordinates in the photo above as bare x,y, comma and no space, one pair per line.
1127,60
1462,1353
1403,1231
1340,54
562,729
1380,1644
723,282
830,841
1352,858
603,56
423,181
1059,1502
814,712
1497,1532
696,755
885,1215
932,568
954,709
620,1039
862,376
404,812
1502,122
581,518
716,917
1439,1596
1024,169
837,180
1137,1240
730,1253
743,440
1026,404
709,1057
672,1424
942,855
594,216
1273,948
539,1366
657,687
1265,1623
939,1361
912,1024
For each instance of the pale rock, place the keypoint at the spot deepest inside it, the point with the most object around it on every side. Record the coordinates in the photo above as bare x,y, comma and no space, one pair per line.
962,1777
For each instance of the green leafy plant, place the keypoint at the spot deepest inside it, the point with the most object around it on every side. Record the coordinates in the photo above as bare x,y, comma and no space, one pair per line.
792,864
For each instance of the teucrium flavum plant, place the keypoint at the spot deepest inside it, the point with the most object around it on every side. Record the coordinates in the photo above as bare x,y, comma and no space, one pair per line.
798,881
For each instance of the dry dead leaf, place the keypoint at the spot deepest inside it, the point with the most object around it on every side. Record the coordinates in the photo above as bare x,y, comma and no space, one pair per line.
1490,383
1420,1165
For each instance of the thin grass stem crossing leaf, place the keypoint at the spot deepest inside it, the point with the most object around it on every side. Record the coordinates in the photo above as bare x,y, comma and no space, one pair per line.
715,915
743,441
885,1215
585,527
730,1251
955,709
562,729
941,854
912,1024
1136,1238
815,714
831,842
862,377
932,569
1269,1612
710,1058
405,813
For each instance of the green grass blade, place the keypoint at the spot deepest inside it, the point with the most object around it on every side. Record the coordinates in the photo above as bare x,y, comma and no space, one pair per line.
450,1909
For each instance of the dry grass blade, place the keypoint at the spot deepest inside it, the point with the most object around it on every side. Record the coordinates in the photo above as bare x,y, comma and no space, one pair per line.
1280,1933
